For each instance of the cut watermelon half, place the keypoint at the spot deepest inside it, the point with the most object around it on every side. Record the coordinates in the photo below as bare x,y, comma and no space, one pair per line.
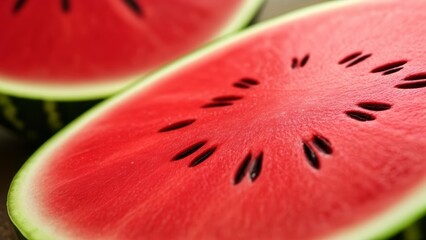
58,53
311,126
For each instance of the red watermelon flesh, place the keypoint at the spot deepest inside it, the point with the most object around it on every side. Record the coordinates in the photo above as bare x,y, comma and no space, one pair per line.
310,126
76,42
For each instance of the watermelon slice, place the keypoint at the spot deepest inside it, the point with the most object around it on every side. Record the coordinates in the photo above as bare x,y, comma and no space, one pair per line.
58,58
309,126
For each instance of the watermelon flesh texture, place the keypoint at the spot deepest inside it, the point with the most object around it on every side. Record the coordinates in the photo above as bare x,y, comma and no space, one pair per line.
81,42
58,58
297,129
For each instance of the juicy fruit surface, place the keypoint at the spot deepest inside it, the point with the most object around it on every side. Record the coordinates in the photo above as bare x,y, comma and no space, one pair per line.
80,41
298,131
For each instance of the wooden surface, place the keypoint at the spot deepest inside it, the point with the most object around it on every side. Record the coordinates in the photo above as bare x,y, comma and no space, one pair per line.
13,151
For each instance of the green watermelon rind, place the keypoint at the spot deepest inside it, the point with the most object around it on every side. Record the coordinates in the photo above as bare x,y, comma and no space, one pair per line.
410,208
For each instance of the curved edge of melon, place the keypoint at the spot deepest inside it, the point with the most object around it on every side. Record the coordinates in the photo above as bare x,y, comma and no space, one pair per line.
246,14
91,91
411,207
